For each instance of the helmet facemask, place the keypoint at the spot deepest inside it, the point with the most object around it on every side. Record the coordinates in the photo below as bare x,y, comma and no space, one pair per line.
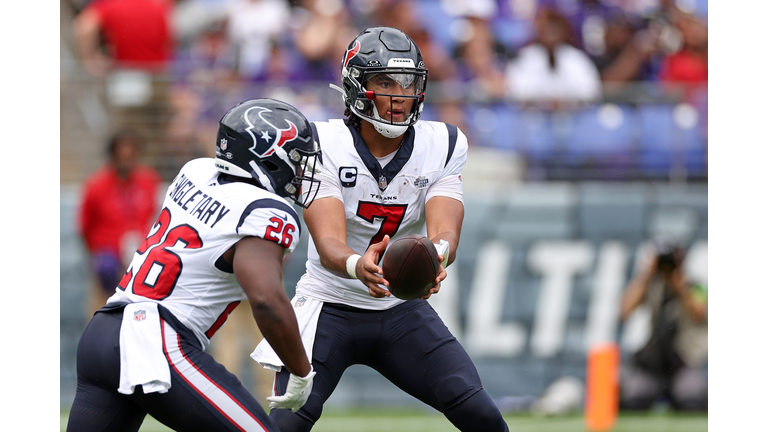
397,87
303,188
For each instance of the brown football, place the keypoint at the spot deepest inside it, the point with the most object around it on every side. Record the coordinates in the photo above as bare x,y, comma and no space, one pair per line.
410,264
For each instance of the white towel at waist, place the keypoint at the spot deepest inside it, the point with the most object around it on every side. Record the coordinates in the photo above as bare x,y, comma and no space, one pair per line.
141,350
307,312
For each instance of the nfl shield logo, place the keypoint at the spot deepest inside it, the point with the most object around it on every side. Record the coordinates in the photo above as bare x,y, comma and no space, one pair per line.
382,182
300,302
140,315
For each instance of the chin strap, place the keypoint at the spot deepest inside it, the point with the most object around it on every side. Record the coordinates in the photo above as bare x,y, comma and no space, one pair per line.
386,129
261,177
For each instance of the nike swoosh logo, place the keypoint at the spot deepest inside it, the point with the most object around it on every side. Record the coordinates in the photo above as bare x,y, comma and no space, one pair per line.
283,217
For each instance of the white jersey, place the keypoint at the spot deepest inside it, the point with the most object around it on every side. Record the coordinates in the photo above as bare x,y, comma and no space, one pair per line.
180,265
381,201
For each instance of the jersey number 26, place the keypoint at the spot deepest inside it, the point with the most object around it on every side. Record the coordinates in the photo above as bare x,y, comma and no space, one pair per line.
160,268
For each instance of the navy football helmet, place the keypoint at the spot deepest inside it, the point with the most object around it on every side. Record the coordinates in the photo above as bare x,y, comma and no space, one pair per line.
271,142
385,56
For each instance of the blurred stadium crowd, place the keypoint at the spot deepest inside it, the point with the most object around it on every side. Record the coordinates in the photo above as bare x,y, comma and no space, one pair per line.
574,89
546,90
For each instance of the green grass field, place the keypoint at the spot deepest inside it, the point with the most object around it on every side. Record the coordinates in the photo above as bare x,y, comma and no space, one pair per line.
420,421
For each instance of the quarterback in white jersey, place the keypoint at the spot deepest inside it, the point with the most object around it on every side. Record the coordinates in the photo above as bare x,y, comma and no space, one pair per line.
380,201
221,236
384,175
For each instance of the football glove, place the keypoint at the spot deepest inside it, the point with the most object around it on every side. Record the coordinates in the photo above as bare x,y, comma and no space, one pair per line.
296,394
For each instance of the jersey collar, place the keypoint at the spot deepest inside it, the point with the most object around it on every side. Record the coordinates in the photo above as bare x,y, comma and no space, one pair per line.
384,176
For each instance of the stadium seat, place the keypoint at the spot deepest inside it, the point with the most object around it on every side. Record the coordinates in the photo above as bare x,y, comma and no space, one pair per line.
537,139
666,143
600,137
495,126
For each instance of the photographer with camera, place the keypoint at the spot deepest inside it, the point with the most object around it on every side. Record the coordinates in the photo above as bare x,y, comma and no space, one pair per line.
671,363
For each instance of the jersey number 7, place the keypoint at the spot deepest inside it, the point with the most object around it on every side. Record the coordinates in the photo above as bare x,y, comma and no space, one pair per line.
392,215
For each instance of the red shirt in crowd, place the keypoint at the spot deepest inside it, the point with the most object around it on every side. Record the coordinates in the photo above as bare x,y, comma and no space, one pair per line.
684,67
112,207
138,31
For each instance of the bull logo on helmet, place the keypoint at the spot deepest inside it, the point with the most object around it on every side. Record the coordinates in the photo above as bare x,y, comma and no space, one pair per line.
265,144
351,53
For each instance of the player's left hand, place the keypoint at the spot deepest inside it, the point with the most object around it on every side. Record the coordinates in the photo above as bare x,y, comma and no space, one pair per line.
441,275
296,394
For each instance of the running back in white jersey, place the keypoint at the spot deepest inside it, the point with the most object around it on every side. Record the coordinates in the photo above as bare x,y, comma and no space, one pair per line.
180,264
379,202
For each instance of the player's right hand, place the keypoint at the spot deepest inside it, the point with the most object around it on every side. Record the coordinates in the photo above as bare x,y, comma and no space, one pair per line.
296,394
441,275
369,272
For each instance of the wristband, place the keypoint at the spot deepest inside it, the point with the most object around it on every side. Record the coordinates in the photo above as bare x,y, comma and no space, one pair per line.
442,249
351,264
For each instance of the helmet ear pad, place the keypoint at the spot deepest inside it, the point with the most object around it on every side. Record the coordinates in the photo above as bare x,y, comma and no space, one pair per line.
365,106
276,174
